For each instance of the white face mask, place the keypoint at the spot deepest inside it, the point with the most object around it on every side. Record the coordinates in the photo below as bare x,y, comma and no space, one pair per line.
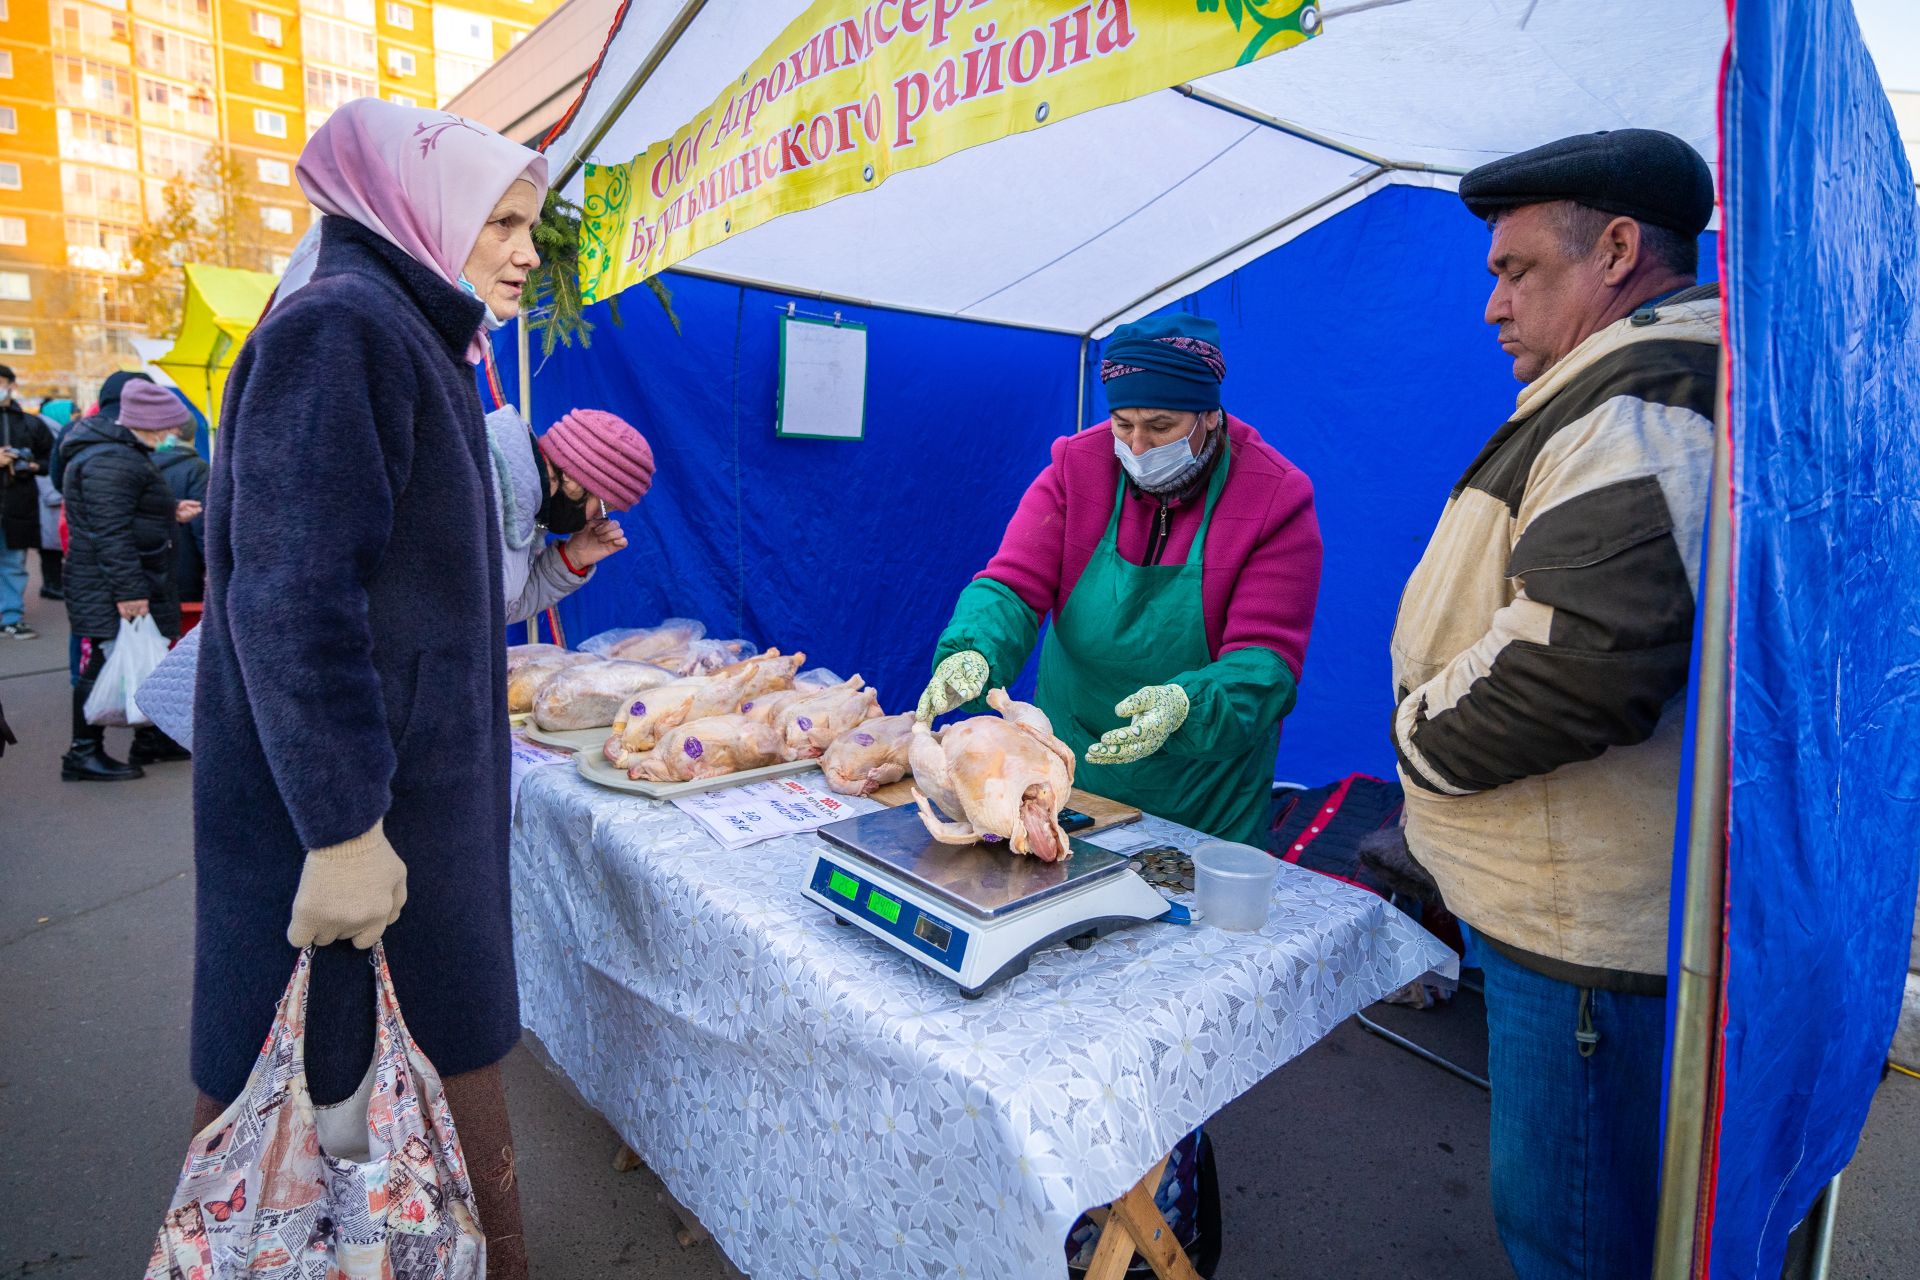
487,317
1161,466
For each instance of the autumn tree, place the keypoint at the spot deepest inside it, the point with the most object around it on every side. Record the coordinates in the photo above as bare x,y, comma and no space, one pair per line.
212,218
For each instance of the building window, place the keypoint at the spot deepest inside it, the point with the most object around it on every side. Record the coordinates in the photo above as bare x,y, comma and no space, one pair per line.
463,34
328,91
338,44
171,54
400,15
9,176
270,74
266,26
16,286
4,12
274,218
403,100
275,173
6,64
451,74
400,64
173,155
16,341
9,120
84,82
271,123
195,15
95,139
13,230
101,193
514,39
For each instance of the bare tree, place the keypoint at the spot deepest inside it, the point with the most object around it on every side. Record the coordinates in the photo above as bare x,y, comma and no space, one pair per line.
213,219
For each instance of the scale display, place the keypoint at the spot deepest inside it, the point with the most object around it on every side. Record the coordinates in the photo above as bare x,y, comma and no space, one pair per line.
942,941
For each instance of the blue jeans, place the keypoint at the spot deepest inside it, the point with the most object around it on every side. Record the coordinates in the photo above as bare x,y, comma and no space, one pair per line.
13,585
1576,1123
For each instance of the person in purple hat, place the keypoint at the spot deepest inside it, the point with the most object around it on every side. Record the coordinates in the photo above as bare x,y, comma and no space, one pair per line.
121,523
588,464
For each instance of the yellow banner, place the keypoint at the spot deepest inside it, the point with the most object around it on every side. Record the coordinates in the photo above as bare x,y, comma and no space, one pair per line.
851,94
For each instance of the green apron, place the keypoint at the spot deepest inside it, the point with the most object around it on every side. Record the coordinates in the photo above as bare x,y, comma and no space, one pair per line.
1125,626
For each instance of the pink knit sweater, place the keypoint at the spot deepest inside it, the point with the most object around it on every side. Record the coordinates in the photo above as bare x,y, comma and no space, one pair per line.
1262,558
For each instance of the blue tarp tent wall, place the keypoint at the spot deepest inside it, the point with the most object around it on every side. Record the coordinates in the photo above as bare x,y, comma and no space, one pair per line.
1301,191
1823,254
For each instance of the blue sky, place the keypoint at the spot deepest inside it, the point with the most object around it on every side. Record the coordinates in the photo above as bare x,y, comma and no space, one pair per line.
1892,32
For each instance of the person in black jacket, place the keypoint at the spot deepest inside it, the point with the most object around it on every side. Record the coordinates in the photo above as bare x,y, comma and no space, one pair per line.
120,526
26,451
185,472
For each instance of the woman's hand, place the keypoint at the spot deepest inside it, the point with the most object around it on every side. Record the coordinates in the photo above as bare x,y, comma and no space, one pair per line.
131,609
600,539
186,510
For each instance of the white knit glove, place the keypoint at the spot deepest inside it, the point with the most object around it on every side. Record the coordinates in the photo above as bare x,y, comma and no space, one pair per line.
349,890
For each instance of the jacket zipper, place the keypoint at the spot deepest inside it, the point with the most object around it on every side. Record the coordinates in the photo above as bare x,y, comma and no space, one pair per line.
1158,543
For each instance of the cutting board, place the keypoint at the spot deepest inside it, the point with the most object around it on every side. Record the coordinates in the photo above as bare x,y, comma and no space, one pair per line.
1104,812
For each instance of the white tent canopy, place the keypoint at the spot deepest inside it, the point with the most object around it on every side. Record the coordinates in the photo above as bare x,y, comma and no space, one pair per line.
1105,216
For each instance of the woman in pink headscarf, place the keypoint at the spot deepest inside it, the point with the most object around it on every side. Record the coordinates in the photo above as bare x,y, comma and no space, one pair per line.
351,762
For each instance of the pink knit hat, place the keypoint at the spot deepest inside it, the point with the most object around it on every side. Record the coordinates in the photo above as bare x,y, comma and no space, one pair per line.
147,407
610,459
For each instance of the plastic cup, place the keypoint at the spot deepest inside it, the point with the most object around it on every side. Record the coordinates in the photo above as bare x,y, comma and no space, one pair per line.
1233,885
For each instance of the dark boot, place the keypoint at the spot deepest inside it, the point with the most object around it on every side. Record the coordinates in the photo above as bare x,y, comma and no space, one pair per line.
150,746
87,761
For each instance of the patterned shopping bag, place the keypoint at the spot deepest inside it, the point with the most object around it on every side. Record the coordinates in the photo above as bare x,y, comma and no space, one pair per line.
259,1199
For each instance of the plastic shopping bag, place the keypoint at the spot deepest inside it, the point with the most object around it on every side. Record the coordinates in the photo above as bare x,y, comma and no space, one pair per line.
259,1199
135,652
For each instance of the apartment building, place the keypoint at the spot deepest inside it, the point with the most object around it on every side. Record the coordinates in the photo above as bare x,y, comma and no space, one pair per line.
103,102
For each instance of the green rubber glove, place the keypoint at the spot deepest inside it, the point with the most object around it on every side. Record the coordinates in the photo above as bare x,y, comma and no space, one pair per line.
1158,711
957,680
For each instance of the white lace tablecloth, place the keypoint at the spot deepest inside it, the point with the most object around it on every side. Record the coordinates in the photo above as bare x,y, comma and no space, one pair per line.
829,1108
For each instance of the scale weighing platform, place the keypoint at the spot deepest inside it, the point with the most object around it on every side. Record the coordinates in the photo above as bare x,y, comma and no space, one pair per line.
974,913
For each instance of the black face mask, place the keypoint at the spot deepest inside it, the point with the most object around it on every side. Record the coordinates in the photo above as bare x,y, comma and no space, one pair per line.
558,513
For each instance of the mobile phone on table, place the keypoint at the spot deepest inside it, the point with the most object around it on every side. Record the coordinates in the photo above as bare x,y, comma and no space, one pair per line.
1073,820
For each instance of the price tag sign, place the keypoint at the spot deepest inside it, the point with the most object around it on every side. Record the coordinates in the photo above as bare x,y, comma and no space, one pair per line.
740,816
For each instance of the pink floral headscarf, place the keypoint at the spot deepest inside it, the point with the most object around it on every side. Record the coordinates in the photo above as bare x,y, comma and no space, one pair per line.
425,180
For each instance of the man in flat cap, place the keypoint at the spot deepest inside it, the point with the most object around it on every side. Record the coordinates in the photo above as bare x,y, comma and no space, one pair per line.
1540,662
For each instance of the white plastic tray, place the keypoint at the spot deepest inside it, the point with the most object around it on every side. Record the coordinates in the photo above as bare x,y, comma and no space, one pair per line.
569,739
595,767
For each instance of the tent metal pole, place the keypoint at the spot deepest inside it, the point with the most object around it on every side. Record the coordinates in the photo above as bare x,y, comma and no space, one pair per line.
523,350
1331,197
641,74
1823,1244
1208,98
1680,1239
1080,389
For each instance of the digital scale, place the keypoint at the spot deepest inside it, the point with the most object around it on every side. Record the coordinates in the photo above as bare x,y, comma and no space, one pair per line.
975,913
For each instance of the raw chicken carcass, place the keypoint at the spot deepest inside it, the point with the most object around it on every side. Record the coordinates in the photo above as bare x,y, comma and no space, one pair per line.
525,680
696,698
590,693
655,644
869,756
708,748
809,725
765,708
1002,776
519,655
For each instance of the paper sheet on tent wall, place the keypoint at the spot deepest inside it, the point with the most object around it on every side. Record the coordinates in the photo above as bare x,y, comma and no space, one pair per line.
823,379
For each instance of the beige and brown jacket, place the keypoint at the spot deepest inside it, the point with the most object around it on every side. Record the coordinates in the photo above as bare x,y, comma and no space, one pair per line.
1541,651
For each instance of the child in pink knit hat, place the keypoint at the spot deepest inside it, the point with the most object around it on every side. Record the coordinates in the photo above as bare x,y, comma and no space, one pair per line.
588,464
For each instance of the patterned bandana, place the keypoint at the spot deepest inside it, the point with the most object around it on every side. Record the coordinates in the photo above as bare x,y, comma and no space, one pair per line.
1164,362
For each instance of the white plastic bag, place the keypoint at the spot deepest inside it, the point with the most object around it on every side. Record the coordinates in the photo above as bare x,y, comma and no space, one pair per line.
131,658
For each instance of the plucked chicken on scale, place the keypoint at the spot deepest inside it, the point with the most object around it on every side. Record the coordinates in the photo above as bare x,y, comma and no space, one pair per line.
1003,776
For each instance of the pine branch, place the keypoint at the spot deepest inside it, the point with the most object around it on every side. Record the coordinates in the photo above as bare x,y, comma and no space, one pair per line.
551,299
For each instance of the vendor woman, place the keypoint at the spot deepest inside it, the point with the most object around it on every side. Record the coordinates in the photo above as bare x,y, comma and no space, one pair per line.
1179,556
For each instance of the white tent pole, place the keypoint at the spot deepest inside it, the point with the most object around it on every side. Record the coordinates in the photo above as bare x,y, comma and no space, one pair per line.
1679,1245
641,74
1198,268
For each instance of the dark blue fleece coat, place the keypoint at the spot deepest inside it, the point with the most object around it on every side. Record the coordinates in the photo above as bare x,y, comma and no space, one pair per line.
351,669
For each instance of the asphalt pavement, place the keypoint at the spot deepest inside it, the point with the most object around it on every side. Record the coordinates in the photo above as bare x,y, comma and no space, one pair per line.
1355,1160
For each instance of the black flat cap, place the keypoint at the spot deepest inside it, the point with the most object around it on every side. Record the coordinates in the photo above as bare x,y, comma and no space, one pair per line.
1639,173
